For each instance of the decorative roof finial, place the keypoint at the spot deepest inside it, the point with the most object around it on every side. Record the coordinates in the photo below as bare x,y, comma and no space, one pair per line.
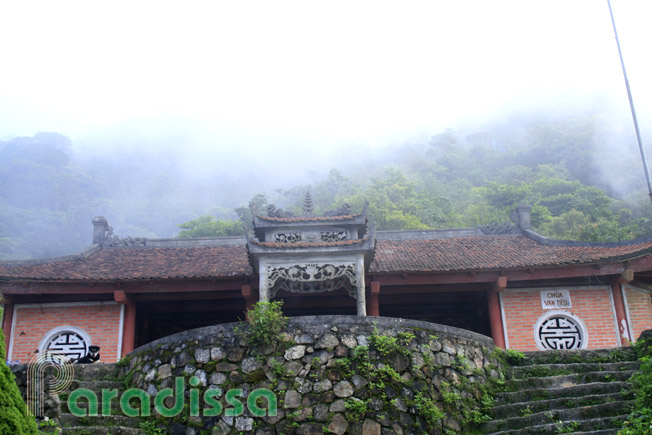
308,207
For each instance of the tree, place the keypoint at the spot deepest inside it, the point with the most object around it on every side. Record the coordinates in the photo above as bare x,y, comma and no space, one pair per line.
207,226
14,416
257,205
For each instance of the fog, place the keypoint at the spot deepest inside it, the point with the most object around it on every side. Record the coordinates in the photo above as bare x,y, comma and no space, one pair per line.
196,108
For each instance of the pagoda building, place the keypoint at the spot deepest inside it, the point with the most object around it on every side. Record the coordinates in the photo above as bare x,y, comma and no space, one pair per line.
312,254
506,281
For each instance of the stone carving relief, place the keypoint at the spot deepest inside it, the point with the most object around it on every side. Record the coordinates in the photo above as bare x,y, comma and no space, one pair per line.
312,278
342,211
272,211
115,241
69,344
498,228
333,236
560,332
311,237
288,237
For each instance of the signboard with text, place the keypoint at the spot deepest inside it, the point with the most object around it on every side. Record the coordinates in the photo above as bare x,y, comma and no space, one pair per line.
555,299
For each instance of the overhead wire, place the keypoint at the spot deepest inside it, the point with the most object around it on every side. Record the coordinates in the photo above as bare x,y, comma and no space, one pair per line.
631,105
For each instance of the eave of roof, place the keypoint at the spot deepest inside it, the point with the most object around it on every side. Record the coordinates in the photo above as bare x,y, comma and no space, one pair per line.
422,253
492,253
139,264
303,219
286,246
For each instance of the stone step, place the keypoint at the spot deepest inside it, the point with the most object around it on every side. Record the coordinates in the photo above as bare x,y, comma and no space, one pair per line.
568,380
579,356
70,420
610,425
565,415
115,406
541,370
599,432
534,394
101,430
532,407
97,371
96,386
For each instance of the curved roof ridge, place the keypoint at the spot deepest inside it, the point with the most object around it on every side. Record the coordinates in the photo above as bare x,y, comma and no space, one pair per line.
36,261
539,238
310,244
309,218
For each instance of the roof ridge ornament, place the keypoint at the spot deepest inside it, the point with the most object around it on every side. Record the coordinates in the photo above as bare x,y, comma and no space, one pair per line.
496,228
272,211
344,210
309,208
114,241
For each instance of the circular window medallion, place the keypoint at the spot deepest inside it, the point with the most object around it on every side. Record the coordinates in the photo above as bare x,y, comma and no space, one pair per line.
559,330
70,342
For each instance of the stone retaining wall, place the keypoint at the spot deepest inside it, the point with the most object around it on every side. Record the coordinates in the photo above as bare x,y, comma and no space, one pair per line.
330,374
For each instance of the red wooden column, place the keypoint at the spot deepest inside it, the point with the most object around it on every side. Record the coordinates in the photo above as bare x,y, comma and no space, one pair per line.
619,306
373,306
250,301
496,320
7,320
129,324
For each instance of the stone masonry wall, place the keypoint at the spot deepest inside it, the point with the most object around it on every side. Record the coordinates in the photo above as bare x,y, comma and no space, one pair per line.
330,374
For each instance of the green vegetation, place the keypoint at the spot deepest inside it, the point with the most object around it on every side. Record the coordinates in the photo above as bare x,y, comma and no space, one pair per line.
14,416
566,427
150,427
207,226
266,322
387,345
456,179
526,411
355,409
510,357
640,419
428,409
467,402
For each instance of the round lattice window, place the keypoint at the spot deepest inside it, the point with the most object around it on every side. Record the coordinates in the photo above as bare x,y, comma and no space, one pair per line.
70,342
558,330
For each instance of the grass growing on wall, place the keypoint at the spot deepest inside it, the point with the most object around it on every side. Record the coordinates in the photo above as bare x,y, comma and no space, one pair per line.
383,376
640,419
266,322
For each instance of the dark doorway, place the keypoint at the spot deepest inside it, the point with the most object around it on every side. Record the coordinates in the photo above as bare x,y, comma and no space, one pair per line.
160,319
317,304
466,310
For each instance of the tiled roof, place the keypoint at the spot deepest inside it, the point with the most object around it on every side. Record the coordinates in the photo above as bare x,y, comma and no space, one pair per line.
413,255
141,263
487,253
309,218
309,244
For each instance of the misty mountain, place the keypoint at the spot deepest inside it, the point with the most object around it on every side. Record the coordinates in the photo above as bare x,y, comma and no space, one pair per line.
580,171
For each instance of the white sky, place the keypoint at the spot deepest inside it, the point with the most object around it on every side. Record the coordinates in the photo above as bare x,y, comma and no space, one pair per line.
307,72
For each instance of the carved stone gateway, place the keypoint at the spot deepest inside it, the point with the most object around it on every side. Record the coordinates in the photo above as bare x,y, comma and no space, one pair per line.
312,278
311,254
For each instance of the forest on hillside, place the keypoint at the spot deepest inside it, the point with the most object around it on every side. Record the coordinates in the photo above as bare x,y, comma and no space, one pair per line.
583,180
